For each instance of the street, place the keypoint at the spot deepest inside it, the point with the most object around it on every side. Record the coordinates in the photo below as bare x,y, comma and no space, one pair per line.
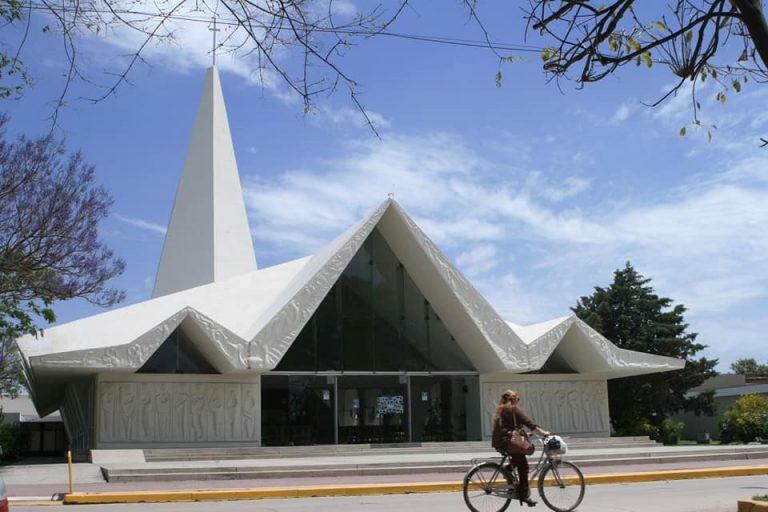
702,495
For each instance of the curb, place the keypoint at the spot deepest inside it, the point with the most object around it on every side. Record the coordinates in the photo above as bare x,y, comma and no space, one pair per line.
381,489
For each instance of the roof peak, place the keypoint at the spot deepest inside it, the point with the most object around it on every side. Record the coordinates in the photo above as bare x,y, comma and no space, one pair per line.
208,237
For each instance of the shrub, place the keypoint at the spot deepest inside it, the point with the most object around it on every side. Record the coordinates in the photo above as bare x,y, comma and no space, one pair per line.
10,441
671,430
746,420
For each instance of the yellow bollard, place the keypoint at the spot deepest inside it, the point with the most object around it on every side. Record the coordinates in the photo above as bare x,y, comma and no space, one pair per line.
69,464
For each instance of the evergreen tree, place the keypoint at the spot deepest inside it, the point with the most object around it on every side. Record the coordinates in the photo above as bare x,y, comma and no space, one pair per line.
632,316
749,366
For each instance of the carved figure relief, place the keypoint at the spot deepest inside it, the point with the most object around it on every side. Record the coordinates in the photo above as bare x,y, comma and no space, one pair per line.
197,402
108,406
250,413
146,412
565,407
163,403
234,413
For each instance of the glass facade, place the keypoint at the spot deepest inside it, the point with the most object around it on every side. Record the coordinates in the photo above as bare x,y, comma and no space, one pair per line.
375,319
177,354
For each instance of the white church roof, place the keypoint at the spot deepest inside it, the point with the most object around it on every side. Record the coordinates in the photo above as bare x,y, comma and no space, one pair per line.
244,320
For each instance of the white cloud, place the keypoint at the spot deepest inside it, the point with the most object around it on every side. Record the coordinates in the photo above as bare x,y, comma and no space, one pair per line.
622,114
704,244
351,116
141,223
477,260
566,189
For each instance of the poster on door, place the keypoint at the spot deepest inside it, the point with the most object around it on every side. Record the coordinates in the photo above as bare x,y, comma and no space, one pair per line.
390,405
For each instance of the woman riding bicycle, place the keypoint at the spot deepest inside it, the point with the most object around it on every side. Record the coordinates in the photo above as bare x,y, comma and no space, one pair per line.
508,417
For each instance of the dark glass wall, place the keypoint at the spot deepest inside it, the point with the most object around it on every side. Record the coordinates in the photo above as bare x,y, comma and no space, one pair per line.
375,319
297,410
177,354
445,408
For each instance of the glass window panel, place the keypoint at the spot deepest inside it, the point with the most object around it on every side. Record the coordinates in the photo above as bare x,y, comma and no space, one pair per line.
329,332
415,324
445,353
443,408
302,357
375,319
296,410
177,354
357,355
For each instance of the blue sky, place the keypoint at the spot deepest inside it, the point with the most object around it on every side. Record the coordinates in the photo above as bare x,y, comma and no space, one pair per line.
537,194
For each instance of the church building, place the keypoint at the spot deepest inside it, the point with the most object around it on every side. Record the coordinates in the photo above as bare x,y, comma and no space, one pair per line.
375,339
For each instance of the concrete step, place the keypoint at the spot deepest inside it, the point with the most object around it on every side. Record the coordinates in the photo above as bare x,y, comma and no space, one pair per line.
232,453
248,470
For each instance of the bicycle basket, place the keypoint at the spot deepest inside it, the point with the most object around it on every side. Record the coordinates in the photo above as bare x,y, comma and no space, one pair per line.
556,446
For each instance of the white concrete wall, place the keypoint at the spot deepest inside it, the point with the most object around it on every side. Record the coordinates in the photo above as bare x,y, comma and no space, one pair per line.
177,410
573,404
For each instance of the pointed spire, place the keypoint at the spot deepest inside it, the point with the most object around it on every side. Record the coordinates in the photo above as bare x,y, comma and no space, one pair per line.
208,238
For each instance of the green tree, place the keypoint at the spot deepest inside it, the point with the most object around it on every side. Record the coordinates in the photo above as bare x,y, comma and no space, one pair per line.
746,420
631,315
749,366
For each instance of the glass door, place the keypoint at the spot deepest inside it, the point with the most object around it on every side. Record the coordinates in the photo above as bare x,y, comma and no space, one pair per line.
372,409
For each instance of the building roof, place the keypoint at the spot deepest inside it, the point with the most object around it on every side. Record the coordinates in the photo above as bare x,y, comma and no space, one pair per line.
244,320
249,321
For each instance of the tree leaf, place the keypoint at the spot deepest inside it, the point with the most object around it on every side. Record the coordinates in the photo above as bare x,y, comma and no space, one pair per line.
682,131
647,59
744,56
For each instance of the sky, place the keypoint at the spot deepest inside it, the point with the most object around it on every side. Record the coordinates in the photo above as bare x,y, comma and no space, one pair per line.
537,191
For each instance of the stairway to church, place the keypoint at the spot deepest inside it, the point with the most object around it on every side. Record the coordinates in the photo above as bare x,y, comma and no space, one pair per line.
232,453
429,458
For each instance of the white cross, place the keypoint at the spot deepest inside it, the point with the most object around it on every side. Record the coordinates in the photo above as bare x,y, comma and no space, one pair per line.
214,30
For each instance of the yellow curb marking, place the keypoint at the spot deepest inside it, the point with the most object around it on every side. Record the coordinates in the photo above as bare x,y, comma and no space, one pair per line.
379,489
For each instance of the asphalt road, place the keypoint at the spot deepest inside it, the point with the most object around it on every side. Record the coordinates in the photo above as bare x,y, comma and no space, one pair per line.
703,495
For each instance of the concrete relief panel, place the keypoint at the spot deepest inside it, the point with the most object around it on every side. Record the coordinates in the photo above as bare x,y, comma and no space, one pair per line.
178,412
563,407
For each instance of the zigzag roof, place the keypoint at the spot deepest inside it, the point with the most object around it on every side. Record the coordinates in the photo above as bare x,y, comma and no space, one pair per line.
248,322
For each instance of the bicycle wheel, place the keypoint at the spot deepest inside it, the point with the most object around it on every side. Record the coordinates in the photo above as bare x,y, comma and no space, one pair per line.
487,488
561,486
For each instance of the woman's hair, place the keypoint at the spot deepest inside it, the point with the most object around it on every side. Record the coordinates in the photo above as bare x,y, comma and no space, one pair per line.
507,399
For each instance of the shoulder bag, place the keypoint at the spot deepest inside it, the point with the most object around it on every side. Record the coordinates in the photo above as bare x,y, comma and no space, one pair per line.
518,441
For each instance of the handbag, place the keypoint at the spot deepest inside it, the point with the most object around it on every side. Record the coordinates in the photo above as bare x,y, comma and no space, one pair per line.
518,441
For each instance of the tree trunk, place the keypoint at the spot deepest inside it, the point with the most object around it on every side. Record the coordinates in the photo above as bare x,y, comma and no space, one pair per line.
753,18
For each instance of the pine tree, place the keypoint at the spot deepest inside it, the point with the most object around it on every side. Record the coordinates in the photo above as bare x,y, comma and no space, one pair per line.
632,316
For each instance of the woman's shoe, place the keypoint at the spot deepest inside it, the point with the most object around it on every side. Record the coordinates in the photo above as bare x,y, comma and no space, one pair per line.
528,501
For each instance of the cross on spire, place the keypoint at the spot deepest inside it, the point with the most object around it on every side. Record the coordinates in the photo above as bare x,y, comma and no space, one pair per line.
214,30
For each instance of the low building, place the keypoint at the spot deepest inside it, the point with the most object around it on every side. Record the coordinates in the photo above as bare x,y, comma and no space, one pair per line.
39,436
726,389
376,338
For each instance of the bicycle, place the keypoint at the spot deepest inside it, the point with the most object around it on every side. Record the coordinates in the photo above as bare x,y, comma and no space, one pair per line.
491,486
